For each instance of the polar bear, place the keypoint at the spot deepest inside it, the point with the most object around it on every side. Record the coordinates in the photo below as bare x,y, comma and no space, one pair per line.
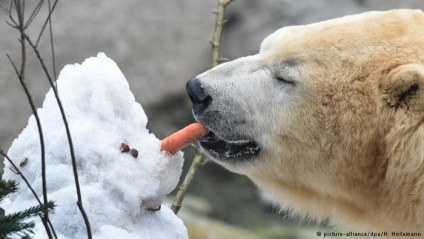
328,117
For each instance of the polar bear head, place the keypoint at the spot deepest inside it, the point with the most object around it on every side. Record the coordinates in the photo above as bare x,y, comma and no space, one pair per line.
328,117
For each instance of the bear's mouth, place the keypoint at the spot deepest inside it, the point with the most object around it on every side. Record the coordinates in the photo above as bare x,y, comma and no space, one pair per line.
220,148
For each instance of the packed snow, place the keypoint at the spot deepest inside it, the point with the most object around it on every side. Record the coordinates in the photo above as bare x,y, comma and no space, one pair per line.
116,187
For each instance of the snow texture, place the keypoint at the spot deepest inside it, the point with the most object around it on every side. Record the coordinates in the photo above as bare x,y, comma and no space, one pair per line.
116,187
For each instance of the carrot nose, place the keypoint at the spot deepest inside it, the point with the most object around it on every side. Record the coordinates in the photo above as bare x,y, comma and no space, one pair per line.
184,137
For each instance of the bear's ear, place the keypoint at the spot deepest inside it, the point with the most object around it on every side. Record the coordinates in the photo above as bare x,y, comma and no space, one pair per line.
404,87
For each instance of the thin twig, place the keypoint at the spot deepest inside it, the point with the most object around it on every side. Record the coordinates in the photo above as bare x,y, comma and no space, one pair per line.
46,21
33,14
182,189
200,159
21,75
52,47
219,26
16,170
24,37
13,64
19,7
8,13
68,134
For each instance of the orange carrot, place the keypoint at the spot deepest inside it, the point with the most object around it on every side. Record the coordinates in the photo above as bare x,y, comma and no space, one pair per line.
182,138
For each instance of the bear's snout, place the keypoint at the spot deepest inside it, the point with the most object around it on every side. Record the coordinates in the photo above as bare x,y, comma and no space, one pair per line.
197,96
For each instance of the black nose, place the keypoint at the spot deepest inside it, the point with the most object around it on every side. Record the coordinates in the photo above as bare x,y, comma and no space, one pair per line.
197,95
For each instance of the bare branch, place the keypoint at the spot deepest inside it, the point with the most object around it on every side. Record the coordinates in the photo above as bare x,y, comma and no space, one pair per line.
33,14
21,76
52,48
17,171
13,170
10,24
182,189
68,133
5,10
19,9
200,159
219,26
13,64
23,9
46,21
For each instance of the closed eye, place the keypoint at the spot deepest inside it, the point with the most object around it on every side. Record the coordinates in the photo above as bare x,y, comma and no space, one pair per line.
283,80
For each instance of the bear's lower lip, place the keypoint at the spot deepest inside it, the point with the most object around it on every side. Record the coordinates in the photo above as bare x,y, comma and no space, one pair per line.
223,149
